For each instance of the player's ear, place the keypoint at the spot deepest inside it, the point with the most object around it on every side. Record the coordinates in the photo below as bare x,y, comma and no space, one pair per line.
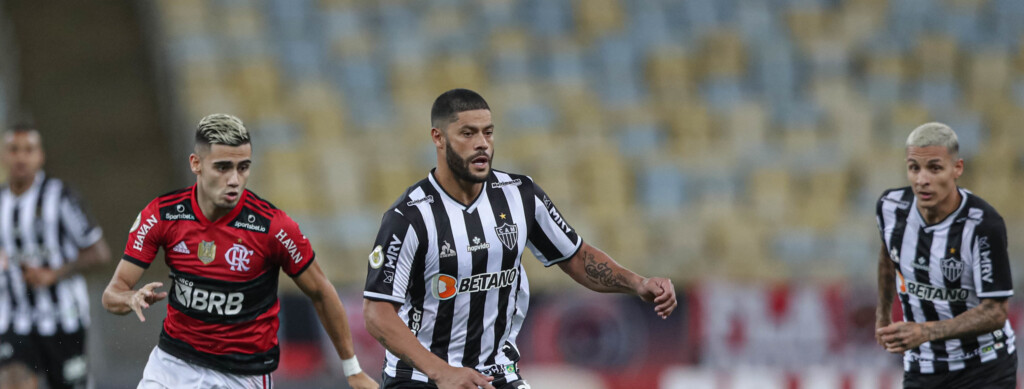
194,163
438,137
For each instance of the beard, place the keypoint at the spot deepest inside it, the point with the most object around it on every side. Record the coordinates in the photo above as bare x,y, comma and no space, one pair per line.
460,167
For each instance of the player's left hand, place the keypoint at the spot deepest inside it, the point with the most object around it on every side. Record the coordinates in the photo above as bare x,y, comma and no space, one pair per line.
661,292
361,381
902,336
39,276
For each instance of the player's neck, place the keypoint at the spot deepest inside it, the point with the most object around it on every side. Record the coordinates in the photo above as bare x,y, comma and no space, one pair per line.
210,210
941,211
19,186
462,191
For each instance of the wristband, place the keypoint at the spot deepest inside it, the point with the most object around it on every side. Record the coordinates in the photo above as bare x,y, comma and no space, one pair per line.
350,366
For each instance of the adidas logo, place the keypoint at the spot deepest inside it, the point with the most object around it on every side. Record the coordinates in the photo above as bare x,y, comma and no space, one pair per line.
181,247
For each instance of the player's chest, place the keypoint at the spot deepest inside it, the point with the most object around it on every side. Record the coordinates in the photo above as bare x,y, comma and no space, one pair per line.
221,252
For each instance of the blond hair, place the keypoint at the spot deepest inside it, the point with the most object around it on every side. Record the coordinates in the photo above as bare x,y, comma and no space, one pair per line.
221,129
935,134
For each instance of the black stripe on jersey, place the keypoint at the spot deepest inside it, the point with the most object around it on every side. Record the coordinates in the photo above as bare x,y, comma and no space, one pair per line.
954,243
263,202
131,259
417,290
924,251
172,198
445,308
896,241
306,266
258,208
176,192
475,323
499,206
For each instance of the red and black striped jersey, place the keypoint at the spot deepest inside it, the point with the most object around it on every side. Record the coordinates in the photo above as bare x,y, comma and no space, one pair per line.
222,304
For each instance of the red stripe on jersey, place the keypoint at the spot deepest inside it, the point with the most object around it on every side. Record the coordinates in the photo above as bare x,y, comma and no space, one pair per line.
251,337
173,197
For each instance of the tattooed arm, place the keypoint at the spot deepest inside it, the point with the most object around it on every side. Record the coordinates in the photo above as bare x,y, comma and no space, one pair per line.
383,323
597,271
988,316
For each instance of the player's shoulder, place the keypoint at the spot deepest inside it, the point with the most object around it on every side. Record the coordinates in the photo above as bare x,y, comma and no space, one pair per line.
978,208
257,214
501,179
902,198
405,206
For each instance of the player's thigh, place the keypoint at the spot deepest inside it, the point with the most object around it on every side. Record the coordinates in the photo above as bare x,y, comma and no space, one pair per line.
165,371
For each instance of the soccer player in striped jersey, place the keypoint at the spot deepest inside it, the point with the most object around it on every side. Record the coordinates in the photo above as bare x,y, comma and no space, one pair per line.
225,247
446,293
47,240
944,254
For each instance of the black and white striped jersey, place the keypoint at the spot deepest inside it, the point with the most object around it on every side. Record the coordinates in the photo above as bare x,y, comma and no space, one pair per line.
44,226
945,269
456,270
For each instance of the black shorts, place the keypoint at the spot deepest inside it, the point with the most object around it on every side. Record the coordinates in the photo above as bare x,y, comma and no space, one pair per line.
401,383
60,357
997,374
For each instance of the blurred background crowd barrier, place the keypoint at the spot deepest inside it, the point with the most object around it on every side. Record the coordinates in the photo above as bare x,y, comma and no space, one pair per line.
736,146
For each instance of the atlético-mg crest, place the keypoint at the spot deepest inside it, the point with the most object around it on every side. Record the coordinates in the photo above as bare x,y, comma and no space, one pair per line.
952,267
508,234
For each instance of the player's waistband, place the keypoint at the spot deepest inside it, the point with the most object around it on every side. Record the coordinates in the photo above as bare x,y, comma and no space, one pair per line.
244,364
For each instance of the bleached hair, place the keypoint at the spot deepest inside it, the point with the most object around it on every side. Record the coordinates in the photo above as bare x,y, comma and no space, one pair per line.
935,134
221,129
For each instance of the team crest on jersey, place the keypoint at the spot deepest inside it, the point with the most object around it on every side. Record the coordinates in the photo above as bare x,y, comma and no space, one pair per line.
377,257
207,252
952,268
508,234
238,257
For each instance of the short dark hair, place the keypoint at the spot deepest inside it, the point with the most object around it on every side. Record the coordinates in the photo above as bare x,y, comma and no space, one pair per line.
22,127
450,103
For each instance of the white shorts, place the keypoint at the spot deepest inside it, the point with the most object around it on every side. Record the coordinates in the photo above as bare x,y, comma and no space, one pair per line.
167,371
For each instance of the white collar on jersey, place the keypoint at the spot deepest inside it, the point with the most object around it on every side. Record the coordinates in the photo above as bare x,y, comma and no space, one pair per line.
945,222
447,197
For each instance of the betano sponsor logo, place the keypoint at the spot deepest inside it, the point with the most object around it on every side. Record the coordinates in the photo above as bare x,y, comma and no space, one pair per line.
445,286
932,293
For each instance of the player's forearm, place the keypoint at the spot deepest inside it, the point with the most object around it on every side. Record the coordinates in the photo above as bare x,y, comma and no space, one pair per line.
988,316
335,321
886,288
597,271
116,299
383,323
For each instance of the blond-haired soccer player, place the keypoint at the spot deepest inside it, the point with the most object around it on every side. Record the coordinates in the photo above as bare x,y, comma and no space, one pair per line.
225,247
944,254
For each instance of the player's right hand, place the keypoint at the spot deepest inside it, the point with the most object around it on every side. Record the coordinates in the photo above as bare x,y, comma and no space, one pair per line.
143,297
463,378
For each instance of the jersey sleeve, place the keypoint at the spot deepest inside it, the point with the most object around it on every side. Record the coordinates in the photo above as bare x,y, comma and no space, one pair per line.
390,262
992,276
75,222
291,250
145,237
551,238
